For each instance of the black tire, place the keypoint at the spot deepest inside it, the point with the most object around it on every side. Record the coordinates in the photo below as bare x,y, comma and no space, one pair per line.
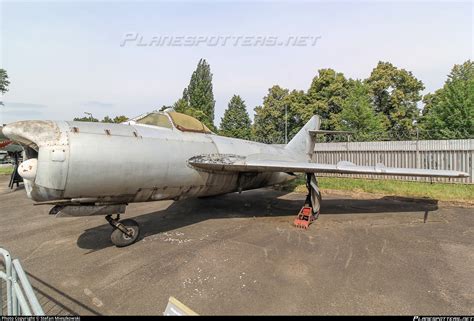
316,202
315,196
120,239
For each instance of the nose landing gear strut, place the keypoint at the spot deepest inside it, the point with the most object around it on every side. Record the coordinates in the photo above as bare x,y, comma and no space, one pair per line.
125,232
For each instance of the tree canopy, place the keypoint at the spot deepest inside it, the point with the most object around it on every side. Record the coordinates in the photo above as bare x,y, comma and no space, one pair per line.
4,82
385,105
116,119
236,121
358,115
269,119
449,112
341,103
106,119
326,96
198,98
395,94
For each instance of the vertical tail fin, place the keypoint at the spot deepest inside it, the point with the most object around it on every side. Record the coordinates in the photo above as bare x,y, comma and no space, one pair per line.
302,144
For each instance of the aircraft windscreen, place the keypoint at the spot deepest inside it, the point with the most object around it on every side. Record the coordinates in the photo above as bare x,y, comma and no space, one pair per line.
187,123
156,119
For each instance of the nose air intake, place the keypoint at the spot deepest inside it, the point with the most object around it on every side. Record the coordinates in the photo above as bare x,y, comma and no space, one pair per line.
33,133
45,161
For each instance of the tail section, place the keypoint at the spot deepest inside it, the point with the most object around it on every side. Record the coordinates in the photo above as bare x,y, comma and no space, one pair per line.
302,144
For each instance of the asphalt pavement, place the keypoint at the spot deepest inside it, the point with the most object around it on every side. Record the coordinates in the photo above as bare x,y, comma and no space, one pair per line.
240,254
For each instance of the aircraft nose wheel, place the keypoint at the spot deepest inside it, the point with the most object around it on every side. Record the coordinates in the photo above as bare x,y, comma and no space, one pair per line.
125,232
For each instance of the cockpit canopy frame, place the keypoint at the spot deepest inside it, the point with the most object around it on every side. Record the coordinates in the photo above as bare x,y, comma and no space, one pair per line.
172,119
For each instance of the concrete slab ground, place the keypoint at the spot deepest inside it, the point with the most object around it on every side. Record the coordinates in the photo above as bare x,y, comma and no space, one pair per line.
240,254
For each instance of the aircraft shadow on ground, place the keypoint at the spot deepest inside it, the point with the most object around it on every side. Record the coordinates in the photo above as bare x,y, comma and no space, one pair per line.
266,203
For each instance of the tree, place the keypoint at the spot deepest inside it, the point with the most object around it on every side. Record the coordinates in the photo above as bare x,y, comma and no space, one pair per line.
281,109
358,115
326,95
106,119
198,98
4,82
450,113
396,93
181,105
89,118
236,121
269,122
298,111
120,119
429,100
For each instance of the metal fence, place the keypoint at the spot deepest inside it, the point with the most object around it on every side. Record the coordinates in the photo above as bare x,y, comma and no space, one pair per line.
429,154
19,297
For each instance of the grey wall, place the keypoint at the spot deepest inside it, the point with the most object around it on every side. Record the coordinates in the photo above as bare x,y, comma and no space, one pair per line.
430,154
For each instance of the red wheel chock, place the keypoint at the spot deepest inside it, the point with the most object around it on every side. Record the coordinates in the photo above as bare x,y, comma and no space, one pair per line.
305,217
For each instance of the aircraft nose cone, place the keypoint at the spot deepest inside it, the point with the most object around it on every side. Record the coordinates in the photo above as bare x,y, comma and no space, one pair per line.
28,169
32,132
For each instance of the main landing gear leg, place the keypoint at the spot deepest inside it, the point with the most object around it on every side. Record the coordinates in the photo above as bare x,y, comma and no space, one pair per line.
125,232
310,211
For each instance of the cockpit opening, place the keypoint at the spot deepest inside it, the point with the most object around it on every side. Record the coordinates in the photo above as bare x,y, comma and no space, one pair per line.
188,123
156,119
170,119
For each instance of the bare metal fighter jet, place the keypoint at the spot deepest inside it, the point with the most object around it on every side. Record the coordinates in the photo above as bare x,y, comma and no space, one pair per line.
88,169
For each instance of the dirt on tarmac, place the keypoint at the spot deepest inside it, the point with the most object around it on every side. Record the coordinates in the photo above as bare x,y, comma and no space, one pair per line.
240,254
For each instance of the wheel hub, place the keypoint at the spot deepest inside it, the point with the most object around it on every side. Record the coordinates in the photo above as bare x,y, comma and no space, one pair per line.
131,232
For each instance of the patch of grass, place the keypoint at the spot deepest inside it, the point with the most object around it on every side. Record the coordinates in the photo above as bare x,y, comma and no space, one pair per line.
6,170
438,191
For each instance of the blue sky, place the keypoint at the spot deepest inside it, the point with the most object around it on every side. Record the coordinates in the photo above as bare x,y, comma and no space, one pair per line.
65,58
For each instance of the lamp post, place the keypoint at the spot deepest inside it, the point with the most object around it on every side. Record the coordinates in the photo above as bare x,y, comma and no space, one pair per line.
89,114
